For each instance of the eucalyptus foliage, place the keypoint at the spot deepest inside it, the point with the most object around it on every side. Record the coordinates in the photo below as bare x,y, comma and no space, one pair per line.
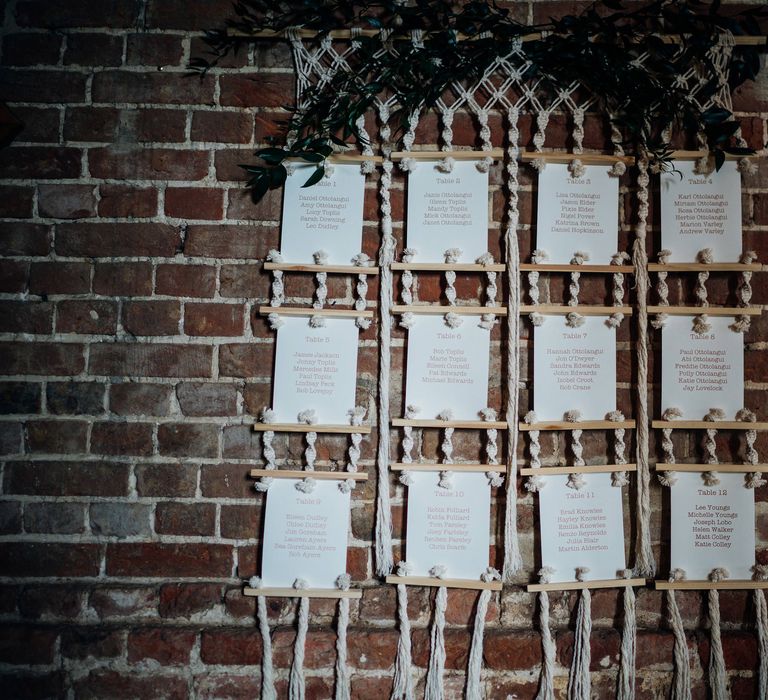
598,48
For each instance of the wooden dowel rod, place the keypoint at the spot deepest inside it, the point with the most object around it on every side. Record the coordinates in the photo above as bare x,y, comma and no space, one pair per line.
725,468
303,474
727,585
305,428
581,585
341,159
708,310
455,267
695,155
586,158
587,469
341,269
328,313
301,593
421,467
439,310
563,267
578,425
705,424
445,582
559,310
701,267
456,155
461,424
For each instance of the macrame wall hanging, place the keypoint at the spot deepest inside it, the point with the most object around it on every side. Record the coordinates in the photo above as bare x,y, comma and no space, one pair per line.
500,102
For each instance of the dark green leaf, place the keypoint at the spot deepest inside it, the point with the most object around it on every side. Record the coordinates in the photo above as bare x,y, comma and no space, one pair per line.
315,177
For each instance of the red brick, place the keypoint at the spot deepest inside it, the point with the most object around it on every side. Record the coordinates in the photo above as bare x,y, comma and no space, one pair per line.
194,202
241,206
209,686
19,397
156,88
148,164
93,50
43,162
31,49
227,162
48,86
85,642
116,602
188,439
82,316
169,647
41,358
55,436
188,599
192,519
256,90
123,279
35,559
67,478
157,560
222,127
59,278
127,201
33,685
103,684
226,481
227,241
244,281
160,125
246,360
41,124
166,479
129,359
186,280
84,13
59,601
27,645
13,276
241,522
15,202
108,240
26,316
207,399
372,649
153,50
230,647
90,123
24,239
152,317
109,438
11,438
131,399
193,15
320,644
210,319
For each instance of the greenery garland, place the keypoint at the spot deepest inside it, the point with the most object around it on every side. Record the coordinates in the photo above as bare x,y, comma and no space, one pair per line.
598,48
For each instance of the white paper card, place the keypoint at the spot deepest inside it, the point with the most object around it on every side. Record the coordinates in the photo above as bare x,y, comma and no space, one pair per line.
447,210
712,526
449,527
701,211
315,368
574,368
327,216
447,367
305,534
702,371
578,214
582,528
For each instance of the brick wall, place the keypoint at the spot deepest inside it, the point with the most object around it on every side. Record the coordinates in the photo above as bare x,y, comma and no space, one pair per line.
133,362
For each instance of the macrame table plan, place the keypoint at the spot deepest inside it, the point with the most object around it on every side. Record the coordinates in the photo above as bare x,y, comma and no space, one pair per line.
585,502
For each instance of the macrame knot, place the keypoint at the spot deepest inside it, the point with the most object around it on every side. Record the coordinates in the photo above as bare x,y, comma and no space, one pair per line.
581,572
719,573
545,574
760,572
614,320
407,320
446,165
320,257
625,573
745,415
343,582
309,416
453,320
579,258
484,165
306,485
754,480
710,478
741,324
263,484
715,414
746,166
446,480
254,582
363,323
667,478
536,319
317,321
408,165
664,256
446,414
619,479
539,256
618,169
671,414
452,255
574,320
328,170
367,166
361,260
487,321
274,256
438,571
412,410
275,321
572,416
404,568
356,415
347,485
576,168
614,416
704,166
495,479
748,257
535,483
530,418
490,574
576,481
620,258
538,164
300,584
677,575
701,324
705,256
488,414
267,415
659,321
409,254
485,259
406,478
290,168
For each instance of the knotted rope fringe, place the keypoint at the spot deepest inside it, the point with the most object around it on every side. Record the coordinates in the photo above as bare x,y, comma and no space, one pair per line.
618,278
268,450
706,258
760,573
710,477
267,673
278,288
537,257
718,678
434,686
513,561
342,668
753,479
452,255
668,478
402,688
475,665
681,679
579,258
296,687
321,292
546,679
579,687
742,322
662,290
626,683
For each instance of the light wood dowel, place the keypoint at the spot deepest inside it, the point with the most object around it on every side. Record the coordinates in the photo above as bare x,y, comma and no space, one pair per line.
440,310
587,469
581,585
301,593
304,474
564,267
443,267
494,153
725,468
445,582
701,267
305,428
341,269
586,158
561,310
727,585
328,313
461,424
705,424
578,425
421,467
708,310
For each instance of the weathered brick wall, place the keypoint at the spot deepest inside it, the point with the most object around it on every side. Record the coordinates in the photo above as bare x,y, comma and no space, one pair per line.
133,362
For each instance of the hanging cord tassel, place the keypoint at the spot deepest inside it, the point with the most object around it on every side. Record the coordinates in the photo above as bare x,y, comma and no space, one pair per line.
548,649
267,673
668,477
705,257
434,686
760,573
753,479
321,293
579,258
402,688
662,290
490,289
296,687
718,678
342,668
681,679
361,288
626,685
538,257
618,278
710,477
310,453
452,256
475,666
579,682
278,288
618,478
406,279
